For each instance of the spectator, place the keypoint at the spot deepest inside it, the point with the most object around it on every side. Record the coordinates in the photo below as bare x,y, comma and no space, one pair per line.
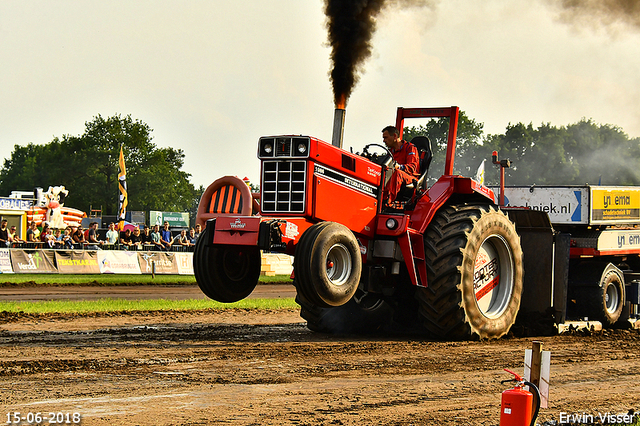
182,240
58,239
33,233
92,237
192,237
78,237
4,234
67,241
165,236
145,237
156,238
198,231
125,239
112,235
136,243
13,237
47,236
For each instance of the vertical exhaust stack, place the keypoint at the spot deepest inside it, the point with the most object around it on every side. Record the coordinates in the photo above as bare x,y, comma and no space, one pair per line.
338,126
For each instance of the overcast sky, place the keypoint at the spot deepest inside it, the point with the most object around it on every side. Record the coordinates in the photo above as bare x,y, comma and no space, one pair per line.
210,77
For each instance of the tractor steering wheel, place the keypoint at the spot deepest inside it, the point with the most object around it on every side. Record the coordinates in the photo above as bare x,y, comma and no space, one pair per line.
385,159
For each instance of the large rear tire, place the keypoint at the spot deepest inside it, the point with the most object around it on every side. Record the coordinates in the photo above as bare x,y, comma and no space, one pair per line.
226,273
327,264
474,273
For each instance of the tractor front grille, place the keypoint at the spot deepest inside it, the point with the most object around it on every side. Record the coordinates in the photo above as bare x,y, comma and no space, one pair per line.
283,186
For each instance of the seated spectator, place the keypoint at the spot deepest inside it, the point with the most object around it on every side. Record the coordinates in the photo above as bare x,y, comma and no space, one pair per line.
4,234
156,238
13,237
182,240
192,237
67,241
112,234
58,243
92,237
78,237
125,239
46,236
165,236
136,243
145,238
33,233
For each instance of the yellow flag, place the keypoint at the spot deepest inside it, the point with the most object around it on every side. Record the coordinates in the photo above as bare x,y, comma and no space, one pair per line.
122,183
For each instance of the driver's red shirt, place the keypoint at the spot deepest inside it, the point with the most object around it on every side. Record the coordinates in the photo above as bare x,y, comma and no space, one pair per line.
407,157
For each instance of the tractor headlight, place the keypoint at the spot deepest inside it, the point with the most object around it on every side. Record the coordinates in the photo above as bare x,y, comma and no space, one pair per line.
391,224
300,147
266,147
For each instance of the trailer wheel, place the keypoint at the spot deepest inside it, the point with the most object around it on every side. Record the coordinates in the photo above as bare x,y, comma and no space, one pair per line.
474,273
328,264
606,301
226,273
365,315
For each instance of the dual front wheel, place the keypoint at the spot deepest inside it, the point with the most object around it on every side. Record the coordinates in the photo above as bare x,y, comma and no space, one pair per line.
327,265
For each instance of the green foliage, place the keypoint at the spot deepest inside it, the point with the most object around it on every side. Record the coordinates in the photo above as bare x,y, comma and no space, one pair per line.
577,154
87,166
580,153
469,149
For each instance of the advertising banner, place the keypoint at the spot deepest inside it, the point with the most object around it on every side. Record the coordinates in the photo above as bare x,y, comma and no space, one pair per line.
615,205
15,204
165,263
563,204
5,262
118,262
77,261
175,219
185,263
33,261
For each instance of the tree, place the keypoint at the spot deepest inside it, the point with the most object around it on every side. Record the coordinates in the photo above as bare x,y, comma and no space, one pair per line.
579,154
469,149
87,166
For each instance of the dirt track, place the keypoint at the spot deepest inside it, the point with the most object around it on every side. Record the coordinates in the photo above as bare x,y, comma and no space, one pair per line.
255,368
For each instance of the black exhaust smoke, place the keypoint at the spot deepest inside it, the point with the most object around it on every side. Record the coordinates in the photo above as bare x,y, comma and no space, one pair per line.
351,24
606,12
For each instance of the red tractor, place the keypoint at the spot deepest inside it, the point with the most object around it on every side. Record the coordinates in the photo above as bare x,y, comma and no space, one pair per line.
448,262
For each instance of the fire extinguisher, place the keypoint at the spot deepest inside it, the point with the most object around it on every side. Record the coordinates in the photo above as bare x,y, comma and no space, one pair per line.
517,403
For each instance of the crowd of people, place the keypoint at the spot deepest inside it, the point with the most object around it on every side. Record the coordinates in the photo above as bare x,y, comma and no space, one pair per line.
78,238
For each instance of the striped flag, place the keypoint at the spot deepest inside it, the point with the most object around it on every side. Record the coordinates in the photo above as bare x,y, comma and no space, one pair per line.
480,174
122,184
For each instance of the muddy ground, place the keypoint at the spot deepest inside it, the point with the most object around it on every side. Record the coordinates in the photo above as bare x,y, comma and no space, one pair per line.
266,368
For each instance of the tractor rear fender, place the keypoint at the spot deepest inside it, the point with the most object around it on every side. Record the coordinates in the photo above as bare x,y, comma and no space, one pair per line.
461,188
410,229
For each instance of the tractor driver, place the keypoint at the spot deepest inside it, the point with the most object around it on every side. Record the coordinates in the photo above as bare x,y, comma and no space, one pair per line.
405,154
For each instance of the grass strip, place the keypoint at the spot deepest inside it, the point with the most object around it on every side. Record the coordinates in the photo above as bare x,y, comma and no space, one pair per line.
124,305
9,280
